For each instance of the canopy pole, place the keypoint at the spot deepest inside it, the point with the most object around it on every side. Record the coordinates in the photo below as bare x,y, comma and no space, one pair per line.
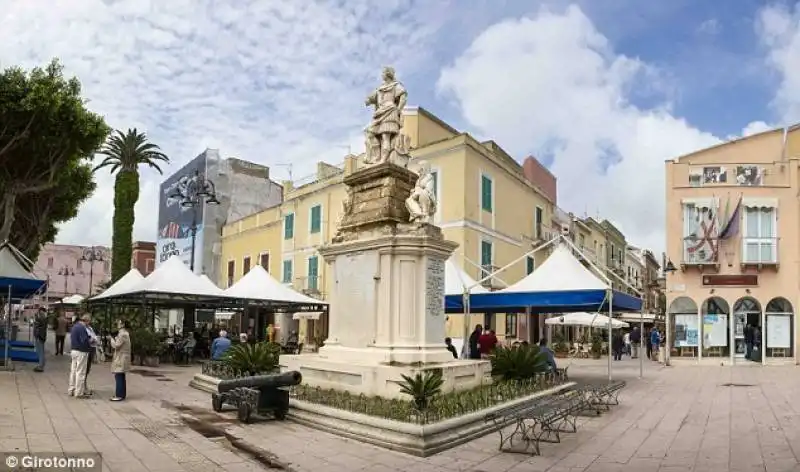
532,251
467,319
610,327
639,347
7,359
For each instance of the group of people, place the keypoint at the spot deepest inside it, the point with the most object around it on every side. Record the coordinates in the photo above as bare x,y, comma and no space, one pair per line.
482,342
84,343
628,343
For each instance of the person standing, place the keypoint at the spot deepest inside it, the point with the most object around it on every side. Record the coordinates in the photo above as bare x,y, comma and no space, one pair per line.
81,344
655,342
626,342
61,333
636,339
748,341
474,342
647,340
92,355
549,355
121,360
616,345
39,337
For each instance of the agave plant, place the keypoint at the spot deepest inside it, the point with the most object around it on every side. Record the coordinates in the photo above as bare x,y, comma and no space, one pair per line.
517,363
423,387
251,359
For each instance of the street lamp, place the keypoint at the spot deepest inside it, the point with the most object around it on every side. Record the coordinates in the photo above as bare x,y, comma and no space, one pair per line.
669,268
91,255
198,192
66,272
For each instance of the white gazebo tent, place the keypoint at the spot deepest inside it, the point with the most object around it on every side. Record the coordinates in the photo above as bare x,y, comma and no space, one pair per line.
173,278
121,286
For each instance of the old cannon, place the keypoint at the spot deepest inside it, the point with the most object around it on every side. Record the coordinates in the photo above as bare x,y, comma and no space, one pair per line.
260,394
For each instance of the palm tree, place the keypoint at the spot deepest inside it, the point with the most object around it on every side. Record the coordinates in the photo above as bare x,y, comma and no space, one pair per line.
125,152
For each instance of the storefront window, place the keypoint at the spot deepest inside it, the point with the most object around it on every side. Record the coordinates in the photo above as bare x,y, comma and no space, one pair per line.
683,312
779,335
715,339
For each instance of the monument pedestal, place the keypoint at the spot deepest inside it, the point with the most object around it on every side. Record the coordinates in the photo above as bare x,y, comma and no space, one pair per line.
386,315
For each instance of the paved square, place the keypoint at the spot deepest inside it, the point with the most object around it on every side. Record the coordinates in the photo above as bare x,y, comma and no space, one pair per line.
684,418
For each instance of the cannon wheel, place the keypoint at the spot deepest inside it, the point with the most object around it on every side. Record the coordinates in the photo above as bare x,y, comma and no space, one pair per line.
244,412
280,415
216,402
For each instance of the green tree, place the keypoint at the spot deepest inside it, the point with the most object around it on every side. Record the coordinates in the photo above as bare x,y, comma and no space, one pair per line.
125,152
47,140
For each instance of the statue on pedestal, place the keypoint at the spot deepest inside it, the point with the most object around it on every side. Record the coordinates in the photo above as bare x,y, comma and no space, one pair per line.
384,142
421,203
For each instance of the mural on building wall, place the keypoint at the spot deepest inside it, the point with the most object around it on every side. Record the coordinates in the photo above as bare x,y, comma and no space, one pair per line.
702,241
715,175
749,175
175,220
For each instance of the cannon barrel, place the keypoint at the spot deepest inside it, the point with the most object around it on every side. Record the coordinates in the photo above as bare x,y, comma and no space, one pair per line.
285,379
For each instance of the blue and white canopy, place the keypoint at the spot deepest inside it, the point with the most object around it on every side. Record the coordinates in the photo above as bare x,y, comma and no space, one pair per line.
15,274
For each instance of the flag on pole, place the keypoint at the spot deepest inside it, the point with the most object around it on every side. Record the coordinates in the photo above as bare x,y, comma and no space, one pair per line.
732,226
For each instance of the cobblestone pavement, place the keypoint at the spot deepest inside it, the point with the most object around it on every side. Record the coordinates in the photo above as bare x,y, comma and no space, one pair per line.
676,419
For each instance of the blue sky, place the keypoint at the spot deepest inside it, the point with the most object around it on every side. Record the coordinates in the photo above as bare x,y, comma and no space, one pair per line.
602,91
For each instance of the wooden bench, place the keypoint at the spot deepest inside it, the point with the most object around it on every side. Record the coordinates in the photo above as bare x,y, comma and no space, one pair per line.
538,420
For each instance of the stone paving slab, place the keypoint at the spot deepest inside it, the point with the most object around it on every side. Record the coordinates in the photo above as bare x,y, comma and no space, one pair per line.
675,419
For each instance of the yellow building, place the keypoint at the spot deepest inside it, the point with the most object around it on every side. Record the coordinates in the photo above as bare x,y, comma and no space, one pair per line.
485,204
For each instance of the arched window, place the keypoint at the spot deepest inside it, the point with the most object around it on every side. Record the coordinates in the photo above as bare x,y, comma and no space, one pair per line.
779,333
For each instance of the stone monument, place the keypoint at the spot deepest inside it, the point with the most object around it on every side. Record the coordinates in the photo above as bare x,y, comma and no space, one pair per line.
386,313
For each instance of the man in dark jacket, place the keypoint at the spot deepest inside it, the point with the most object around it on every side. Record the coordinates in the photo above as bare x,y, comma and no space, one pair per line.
39,337
81,343
474,349
636,339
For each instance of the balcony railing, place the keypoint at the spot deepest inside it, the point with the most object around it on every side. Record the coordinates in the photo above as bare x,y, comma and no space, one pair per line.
700,251
762,251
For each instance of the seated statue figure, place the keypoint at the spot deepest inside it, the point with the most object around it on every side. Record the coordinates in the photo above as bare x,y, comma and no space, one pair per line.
421,203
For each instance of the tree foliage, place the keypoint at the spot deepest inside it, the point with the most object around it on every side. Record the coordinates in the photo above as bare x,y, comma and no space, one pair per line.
47,140
124,153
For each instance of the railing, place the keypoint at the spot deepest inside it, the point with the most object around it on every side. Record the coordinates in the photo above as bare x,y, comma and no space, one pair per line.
700,251
759,250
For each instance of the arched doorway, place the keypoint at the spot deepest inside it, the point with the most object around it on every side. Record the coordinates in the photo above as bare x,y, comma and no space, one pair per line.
683,313
716,337
779,332
746,325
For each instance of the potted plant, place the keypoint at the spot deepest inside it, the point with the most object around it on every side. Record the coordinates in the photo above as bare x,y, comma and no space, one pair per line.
518,363
597,346
145,347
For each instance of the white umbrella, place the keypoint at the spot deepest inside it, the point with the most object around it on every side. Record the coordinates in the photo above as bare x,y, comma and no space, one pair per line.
594,320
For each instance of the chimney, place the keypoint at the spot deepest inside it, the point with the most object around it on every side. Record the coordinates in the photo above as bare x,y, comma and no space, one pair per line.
538,175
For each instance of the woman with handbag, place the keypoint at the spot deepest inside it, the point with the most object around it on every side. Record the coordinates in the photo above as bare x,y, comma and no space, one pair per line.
121,360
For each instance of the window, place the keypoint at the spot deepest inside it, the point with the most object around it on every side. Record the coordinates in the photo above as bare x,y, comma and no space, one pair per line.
149,265
759,241
581,241
246,265
486,258
79,264
287,272
313,273
699,233
288,226
264,261
316,219
231,272
537,222
511,325
435,175
486,193
49,262
530,264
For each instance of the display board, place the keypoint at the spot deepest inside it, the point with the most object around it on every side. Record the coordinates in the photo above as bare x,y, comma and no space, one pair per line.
685,330
779,328
715,330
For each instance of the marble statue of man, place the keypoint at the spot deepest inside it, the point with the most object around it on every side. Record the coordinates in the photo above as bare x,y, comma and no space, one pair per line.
421,203
382,133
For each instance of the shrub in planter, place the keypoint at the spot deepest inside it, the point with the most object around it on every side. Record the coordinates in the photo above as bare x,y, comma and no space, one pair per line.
252,359
423,387
518,363
145,347
597,347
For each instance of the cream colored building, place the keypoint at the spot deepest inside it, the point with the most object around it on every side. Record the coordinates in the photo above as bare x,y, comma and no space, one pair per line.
486,204
726,280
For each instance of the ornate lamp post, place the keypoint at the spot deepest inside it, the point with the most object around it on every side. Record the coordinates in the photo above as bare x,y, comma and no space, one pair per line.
91,255
198,193
669,269
66,272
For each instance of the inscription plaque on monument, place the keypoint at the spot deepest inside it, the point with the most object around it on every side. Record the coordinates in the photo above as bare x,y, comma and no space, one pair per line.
434,290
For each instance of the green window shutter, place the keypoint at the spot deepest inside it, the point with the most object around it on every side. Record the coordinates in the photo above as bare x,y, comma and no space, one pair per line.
486,193
316,219
435,176
288,226
486,253
287,272
313,273
530,265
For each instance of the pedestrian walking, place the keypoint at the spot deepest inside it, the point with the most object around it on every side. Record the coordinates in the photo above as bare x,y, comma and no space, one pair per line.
617,345
655,342
121,361
81,345
40,337
626,341
61,333
92,355
636,339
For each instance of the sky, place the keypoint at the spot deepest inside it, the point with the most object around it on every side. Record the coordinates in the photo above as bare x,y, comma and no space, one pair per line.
601,91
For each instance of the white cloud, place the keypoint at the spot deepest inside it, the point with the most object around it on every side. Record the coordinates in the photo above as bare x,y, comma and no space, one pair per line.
268,81
756,127
779,31
552,83
709,27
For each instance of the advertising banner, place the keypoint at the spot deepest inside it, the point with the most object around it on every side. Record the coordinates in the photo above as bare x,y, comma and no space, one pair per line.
175,219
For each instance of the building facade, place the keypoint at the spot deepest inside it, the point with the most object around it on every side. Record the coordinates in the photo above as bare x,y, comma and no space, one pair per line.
729,209
143,257
70,270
